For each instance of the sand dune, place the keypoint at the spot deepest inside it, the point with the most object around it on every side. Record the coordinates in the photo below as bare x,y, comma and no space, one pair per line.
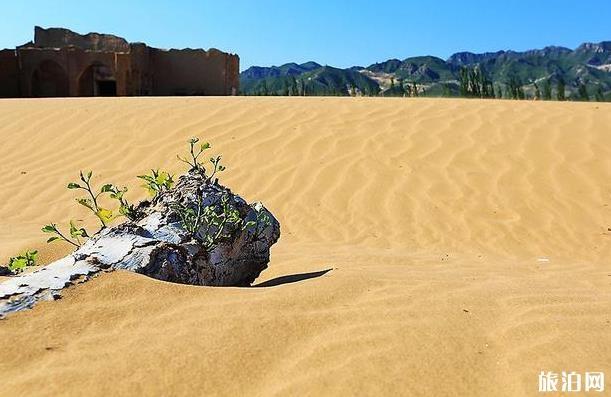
468,242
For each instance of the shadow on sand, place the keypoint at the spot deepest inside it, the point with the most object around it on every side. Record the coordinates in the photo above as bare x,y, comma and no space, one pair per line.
292,278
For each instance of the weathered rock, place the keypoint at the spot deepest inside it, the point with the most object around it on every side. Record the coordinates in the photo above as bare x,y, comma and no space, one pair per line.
159,246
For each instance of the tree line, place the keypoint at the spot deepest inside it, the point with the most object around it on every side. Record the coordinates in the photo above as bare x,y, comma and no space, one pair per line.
475,83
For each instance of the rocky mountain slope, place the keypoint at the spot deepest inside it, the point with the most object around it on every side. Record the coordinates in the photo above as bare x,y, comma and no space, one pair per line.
589,65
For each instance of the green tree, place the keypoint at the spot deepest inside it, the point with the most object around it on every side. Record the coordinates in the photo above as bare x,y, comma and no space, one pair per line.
486,87
264,90
582,93
547,90
560,89
446,91
408,89
537,92
599,95
401,87
464,78
514,88
293,90
475,83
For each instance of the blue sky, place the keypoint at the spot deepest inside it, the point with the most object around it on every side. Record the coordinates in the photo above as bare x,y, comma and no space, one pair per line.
339,33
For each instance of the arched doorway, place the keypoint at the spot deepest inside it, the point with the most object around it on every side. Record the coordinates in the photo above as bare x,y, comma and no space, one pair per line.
97,80
49,80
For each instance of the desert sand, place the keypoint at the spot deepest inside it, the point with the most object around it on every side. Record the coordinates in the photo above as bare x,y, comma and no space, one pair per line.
467,240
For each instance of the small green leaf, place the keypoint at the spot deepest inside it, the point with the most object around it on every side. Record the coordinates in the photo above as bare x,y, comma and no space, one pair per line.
17,264
49,229
249,224
31,257
109,187
73,230
51,239
73,185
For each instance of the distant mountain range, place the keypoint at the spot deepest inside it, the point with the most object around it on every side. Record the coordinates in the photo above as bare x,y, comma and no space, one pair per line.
587,67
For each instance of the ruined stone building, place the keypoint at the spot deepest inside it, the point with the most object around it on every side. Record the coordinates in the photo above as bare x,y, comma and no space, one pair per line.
61,63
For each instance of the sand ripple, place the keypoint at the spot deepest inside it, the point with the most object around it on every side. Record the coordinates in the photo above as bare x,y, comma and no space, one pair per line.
433,214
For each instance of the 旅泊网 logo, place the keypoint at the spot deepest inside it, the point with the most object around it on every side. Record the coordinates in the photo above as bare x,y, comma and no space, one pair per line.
571,381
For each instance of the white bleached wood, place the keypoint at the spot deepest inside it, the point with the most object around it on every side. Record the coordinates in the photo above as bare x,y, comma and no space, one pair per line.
158,246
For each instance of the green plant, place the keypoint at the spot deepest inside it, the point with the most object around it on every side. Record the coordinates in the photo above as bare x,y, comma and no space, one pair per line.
130,211
157,182
213,223
191,218
547,90
599,96
18,263
582,92
560,89
104,215
514,88
216,162
263,221
227,216
75,233
194,163
537,91
195,153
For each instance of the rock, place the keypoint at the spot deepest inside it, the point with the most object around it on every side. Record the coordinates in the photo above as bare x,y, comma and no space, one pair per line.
161,245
